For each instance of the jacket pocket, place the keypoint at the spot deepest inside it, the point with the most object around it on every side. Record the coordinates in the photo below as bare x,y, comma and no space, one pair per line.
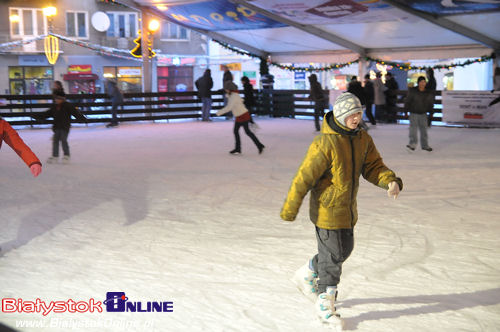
328,197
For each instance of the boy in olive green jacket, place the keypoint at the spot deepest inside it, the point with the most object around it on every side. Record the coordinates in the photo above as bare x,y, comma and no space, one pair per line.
331,170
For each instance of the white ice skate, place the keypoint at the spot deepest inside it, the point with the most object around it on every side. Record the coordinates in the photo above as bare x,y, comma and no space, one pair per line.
307,282
325,308
66,160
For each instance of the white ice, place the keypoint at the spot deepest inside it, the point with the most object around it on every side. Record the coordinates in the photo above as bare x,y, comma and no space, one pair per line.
164,213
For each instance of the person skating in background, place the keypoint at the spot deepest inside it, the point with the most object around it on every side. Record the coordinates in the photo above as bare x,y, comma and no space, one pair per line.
369,95
242,117
11,137
249,99
116,96
418,103
391,97
379,98
61,112
204,85
496,86
57,86
431,86
226,77
330,171
356,89
317,95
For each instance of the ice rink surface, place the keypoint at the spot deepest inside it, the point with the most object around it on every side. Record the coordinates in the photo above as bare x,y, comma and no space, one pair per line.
163,213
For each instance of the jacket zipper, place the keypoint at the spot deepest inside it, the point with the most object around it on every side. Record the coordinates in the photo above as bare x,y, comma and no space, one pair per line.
352,186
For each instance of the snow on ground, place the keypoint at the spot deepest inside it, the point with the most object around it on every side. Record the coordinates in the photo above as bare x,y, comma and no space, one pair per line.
163,213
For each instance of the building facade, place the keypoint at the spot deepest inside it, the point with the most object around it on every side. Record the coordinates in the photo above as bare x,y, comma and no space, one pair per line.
95,39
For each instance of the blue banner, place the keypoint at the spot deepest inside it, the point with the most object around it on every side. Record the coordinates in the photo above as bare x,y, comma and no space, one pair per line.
218,15
452,7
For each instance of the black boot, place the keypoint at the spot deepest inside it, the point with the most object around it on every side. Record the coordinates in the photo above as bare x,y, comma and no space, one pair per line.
235,151
261,148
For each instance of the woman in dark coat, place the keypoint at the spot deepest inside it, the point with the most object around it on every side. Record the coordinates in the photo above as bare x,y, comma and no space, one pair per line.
318,96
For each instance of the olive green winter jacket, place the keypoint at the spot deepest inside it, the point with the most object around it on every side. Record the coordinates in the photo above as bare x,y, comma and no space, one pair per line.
331,170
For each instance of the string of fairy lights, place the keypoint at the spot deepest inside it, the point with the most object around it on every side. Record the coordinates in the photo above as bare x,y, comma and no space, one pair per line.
125,54
398,65
333,66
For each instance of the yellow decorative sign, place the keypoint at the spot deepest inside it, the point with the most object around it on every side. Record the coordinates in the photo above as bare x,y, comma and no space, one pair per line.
51,47
235,66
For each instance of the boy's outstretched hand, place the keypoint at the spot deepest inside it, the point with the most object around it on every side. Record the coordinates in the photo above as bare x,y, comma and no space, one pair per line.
36,169
393,190
287,216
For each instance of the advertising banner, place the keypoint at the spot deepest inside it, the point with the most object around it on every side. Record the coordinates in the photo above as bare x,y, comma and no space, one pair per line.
334,11
471,107
219,15
452,7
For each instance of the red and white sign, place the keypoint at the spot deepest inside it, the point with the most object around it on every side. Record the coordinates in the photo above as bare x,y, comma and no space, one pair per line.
79,69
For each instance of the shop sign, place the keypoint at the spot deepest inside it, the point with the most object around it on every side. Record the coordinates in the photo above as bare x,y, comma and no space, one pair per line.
33,60
250,74
300,75
79,69
129,71
236,66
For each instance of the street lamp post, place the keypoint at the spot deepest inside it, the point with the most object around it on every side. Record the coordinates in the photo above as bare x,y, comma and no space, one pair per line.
51,43
149,27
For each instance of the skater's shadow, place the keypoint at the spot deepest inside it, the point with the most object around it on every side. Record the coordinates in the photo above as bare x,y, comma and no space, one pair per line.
66,195
428,304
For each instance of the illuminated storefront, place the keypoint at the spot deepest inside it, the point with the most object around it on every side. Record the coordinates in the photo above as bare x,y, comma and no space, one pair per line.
33,80
129,79
175,78
80,79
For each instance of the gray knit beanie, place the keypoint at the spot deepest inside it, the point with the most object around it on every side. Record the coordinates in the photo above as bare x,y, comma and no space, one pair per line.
345,105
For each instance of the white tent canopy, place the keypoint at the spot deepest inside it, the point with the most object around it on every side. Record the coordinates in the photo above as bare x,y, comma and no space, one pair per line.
343,30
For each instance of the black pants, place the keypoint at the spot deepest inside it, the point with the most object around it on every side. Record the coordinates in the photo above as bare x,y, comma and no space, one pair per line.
369,113
249,133
60,135
114,110
334,247
380,113
319,108
391,110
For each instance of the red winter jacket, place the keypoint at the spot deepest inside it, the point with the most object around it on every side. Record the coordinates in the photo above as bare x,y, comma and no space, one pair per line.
11,137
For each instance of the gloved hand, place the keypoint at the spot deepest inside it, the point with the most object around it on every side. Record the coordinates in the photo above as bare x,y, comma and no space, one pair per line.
287,216
393,190
36,169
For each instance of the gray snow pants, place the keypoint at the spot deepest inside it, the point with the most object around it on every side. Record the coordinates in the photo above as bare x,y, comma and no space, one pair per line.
334,247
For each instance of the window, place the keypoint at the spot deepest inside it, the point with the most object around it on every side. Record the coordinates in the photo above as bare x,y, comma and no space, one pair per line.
123,24
33,80
27,22
129,79
76,24
171,31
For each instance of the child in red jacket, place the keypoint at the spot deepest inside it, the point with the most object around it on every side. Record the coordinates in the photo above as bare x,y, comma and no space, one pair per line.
11,137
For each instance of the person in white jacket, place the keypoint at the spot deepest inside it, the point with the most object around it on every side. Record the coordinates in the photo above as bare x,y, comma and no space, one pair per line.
242,117
379,98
